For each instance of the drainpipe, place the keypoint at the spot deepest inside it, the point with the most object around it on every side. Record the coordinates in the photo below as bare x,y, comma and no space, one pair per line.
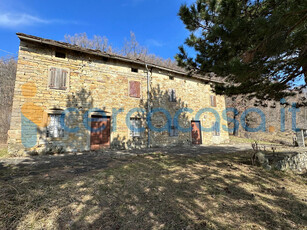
148,105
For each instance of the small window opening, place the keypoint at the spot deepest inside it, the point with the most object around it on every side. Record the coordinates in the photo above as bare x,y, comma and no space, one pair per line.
105,59
135,127
171,78
134,70
173,131
55,128
172,95
60,54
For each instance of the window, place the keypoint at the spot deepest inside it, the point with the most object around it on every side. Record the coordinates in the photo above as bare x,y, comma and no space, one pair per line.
134,70
135,127
213,101
216,128
58,78
173,131
171,78
172,95
105,59
134,89
54,128
60,54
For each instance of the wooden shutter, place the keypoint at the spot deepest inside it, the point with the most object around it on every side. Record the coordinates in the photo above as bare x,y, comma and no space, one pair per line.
138,126
63,79
213,100
174,95
213,131
58,78
58,74
216,129
134,89
132,124
52,78
138,89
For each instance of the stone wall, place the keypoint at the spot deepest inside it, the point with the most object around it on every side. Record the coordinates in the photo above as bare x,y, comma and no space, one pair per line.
95,82
296,162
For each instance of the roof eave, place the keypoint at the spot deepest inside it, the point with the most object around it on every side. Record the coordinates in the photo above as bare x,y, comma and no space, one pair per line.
63,45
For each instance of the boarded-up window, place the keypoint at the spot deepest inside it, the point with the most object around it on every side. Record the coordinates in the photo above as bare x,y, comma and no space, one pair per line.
134,89
213,100
172,95
58,78
54,128
135,127
216,128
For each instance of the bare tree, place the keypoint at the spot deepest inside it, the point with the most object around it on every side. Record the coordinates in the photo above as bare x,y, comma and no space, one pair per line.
131,49
7,83
97,43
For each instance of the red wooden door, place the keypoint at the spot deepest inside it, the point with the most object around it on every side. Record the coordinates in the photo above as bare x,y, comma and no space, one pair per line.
100,132
196,132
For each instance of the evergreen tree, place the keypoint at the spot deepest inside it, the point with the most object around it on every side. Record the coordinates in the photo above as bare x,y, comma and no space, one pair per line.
259,47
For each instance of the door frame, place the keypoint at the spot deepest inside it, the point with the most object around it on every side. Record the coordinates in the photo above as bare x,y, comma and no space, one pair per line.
200,131
88,146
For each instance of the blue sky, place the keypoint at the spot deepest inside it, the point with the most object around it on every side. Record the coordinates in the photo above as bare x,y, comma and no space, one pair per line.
154,22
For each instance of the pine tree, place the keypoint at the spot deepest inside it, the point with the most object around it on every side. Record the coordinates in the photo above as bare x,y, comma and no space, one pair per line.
258,47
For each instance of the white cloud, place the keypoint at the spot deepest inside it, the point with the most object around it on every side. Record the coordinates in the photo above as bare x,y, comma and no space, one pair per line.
153,42
12,20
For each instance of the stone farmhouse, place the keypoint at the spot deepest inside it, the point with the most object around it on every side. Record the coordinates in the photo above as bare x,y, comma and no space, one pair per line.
75,99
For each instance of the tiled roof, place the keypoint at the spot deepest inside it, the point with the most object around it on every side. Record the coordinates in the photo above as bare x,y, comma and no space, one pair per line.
68,46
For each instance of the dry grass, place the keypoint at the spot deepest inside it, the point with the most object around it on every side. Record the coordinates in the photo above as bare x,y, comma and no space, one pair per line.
155,191
3,152
235,139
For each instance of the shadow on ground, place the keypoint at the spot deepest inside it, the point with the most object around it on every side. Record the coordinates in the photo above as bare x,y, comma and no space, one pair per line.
156,190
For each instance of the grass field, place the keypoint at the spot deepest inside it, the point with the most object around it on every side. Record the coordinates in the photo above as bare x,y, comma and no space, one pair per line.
155,191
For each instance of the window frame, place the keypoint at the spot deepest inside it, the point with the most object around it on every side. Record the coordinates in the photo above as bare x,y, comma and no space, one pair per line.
67,80
133,132
57,52
62,132
134,70
213,100
129,89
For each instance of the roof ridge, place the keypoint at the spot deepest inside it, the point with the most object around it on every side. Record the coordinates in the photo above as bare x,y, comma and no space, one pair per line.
109,55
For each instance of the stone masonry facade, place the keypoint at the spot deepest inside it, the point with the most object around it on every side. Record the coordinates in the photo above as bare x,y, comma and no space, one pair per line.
96,82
